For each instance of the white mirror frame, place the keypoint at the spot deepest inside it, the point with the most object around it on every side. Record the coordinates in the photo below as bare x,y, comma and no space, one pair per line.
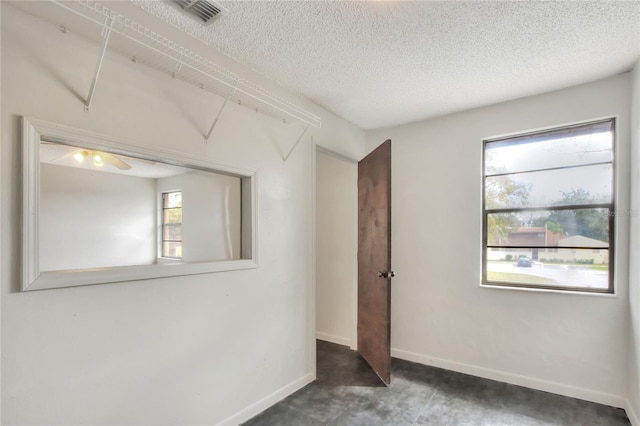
33,130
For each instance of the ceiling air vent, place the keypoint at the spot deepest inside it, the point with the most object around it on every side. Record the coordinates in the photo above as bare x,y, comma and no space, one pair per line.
207,10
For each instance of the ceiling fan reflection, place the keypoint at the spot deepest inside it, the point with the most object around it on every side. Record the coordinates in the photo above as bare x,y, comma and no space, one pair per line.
98,158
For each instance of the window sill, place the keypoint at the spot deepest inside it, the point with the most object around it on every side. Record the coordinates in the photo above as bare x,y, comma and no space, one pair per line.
548,290
168,261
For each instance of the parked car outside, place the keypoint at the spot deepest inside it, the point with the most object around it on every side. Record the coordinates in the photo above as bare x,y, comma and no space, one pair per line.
524,262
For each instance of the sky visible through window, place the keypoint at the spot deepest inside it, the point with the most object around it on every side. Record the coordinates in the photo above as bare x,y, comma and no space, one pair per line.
548,187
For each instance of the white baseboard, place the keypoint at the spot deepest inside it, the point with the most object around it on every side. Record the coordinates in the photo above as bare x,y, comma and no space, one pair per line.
266,402
339,340
515,379
633,416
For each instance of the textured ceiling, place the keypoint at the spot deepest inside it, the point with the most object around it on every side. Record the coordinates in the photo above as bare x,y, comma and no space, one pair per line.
379,64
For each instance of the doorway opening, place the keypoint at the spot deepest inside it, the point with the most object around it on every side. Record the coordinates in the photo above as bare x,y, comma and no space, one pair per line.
336,248
353,254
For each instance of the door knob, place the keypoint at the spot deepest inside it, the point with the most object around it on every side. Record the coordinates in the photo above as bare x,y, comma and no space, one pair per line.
386,274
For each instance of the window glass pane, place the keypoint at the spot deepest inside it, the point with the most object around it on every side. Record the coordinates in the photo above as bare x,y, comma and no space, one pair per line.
172,232
172,199
561,228
552,173
172,224
581,185
587,144
574,268
172,249
172,215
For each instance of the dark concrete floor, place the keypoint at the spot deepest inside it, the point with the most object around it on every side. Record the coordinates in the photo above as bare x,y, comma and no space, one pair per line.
347,392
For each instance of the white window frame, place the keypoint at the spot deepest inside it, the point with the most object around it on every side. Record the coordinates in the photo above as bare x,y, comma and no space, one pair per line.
610,290
161,224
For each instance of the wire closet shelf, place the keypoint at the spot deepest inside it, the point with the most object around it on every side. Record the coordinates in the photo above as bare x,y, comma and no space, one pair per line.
145,46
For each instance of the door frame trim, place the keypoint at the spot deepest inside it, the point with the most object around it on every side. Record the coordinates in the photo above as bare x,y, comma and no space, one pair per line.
312,291
353,337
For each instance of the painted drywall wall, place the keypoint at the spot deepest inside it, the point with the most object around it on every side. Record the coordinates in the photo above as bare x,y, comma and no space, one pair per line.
563,343
1,209
336,248
210,215
202,349
92,219
634,253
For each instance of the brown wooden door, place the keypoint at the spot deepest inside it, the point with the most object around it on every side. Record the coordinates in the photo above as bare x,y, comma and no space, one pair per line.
374,259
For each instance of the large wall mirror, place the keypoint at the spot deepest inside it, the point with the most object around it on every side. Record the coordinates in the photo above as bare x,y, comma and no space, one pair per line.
100,210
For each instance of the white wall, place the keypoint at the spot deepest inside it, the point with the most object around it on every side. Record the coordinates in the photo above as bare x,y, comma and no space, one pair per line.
564,343
1,220
210,215
336,248
200,349
95,219
634,268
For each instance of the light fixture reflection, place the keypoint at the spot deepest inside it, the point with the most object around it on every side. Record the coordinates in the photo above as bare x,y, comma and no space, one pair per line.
80,156
97,159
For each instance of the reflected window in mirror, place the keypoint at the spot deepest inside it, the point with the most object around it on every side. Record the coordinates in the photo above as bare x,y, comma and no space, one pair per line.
171,230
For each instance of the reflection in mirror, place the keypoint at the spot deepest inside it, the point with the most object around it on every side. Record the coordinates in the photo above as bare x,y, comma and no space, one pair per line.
97,210
103,210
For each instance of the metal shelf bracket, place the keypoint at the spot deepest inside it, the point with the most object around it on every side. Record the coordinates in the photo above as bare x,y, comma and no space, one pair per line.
215,121
106,33
296,144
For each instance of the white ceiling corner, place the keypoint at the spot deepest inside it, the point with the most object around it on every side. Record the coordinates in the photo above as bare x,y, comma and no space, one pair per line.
384,63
